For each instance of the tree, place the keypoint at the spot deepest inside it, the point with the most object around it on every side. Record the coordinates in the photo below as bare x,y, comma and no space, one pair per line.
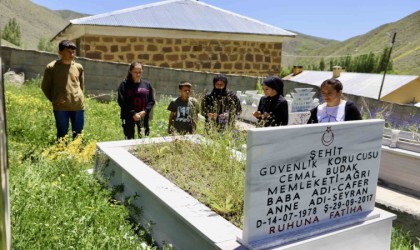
346,62
382,61
11,32
44,44
284,71
370,63
322,64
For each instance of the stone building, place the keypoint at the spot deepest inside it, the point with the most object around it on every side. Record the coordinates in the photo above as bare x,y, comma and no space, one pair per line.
180,34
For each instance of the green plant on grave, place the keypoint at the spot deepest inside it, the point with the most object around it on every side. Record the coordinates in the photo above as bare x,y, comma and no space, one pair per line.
223,207
208,171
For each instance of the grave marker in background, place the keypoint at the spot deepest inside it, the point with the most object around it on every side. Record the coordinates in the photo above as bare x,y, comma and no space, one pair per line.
302,99
306,180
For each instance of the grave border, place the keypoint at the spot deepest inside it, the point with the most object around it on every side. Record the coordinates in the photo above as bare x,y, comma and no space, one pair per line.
190,223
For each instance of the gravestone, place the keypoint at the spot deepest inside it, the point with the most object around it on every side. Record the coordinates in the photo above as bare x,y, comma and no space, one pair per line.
307,180
302,99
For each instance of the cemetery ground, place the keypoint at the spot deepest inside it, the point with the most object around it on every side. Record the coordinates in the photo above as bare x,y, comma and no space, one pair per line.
56,203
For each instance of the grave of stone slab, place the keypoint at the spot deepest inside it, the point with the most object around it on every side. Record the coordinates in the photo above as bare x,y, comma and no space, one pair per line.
302,99
307,187
309,180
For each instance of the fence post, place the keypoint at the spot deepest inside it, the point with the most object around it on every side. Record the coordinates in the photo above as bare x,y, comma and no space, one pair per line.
5,234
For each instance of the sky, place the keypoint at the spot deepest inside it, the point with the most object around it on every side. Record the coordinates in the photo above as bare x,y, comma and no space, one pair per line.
338,20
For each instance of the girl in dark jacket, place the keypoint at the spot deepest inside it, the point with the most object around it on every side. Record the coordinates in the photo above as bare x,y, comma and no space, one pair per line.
335,108
135,97
272,108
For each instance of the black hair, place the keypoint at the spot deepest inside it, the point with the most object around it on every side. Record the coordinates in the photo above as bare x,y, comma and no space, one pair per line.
335,83
66,44
132,65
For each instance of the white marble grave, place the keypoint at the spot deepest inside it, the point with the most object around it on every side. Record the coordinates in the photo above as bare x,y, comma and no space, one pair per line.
249,102
175,217
308,180
182,221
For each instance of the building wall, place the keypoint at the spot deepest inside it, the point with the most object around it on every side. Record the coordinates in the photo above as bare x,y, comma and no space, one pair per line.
408,93
103,78
223,56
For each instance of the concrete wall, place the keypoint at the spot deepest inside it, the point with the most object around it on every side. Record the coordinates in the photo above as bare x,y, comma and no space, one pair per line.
224,56
408,93
103,78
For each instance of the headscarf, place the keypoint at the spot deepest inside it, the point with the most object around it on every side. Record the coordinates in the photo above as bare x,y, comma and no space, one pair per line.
274,82
222,78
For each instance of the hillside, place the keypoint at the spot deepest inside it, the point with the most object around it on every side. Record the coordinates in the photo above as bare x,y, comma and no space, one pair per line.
405,54
34,21
69,15
8,44
301,45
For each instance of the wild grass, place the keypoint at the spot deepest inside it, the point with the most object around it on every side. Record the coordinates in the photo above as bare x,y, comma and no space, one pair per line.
201,169
400,240
56,204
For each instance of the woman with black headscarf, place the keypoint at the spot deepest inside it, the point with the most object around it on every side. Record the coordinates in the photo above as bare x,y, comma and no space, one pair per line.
220,107
272,109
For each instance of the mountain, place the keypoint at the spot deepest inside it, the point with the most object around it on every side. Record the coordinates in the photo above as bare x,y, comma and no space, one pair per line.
8,44
69,15
36,22
302,45
405,54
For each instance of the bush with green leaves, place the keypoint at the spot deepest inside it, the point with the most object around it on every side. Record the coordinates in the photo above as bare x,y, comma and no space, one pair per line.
11,32
44,44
